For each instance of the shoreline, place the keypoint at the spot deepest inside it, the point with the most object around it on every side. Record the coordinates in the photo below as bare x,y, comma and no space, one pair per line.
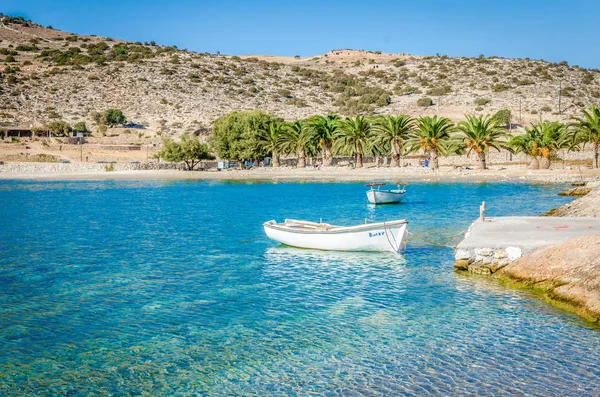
562,274
285,174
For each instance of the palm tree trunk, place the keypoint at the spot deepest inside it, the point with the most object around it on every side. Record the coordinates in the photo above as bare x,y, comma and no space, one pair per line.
433,159
359,162
301,159
327,157
276,162
596,150
534,164
544,163
395,155
482,163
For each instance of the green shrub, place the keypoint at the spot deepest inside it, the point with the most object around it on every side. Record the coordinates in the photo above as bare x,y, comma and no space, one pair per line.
408,90
439,91
500,87
482,101
26,48
525,82
546,108
424,102
568,92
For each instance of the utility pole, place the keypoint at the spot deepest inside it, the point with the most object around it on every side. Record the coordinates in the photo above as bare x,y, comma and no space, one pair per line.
559,94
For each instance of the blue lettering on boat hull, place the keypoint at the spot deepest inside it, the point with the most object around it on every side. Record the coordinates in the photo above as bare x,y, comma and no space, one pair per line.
375,234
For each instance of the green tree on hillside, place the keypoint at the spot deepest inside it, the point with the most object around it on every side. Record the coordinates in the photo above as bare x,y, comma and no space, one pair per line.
114,117
59,128
503,117
235,135
80,127
98,119
189,151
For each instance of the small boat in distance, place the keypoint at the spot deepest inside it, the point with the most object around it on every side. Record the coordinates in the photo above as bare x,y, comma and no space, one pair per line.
378,196
380,236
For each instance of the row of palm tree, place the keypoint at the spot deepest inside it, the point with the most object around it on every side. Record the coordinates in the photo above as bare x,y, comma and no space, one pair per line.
396,136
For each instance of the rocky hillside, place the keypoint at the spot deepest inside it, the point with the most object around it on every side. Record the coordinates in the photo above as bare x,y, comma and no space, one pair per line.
51,75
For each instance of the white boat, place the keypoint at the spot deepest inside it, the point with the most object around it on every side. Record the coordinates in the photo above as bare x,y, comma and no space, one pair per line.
378,196
381,236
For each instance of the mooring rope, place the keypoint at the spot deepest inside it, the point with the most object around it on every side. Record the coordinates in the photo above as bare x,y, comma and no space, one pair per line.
388,239
443,243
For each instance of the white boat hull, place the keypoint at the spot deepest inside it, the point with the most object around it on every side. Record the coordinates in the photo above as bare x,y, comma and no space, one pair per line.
385,196
382,236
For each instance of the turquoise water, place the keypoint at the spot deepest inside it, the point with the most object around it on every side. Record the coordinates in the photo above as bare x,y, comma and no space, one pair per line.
169,288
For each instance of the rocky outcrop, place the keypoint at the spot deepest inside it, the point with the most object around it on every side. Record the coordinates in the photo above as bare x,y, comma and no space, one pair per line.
576,191
568,273
588,205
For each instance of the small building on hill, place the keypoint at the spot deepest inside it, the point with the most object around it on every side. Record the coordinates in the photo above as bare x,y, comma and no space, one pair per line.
18,131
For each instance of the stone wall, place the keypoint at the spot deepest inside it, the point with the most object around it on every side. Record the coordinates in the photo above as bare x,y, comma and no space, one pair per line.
486,260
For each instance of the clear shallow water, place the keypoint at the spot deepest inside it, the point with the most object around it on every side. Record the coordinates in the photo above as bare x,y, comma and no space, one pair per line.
169,288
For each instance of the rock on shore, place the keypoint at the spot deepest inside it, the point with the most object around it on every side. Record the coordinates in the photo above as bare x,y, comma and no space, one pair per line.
588,205
567,272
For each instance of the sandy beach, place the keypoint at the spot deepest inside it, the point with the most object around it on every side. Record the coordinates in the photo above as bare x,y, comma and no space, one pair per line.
327,174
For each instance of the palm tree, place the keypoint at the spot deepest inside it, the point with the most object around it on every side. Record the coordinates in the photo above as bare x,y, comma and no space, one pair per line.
324,129
526,143
478,134
354,136
587,130
269,139
542,140
432,135
393,131
296,138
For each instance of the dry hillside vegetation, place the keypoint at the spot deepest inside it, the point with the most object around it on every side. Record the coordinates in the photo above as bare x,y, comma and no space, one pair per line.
51,75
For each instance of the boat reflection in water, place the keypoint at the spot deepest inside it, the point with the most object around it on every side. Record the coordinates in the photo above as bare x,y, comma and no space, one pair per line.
306,258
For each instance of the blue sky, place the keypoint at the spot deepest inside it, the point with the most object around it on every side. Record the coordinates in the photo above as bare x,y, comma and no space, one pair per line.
554,30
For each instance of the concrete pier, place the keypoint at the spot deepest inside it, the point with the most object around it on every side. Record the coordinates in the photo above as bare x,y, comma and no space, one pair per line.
495,242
